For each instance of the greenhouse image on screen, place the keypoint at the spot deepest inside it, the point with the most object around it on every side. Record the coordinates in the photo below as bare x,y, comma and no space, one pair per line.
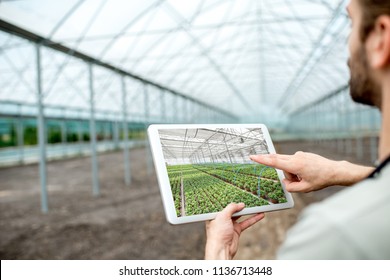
210,168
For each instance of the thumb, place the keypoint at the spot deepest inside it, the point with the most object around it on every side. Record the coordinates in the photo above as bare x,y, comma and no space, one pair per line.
232,208
294,186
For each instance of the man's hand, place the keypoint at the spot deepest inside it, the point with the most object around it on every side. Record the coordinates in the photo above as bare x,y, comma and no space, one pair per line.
306,172
224,232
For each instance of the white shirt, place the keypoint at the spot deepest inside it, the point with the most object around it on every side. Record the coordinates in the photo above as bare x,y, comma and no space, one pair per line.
352,224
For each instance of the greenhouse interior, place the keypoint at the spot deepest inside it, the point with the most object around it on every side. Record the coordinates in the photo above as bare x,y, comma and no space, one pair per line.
208,145
81,80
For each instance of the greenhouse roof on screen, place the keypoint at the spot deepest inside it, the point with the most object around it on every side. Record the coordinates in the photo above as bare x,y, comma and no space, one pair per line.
204,145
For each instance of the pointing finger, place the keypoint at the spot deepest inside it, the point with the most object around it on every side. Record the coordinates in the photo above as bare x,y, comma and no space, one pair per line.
278,161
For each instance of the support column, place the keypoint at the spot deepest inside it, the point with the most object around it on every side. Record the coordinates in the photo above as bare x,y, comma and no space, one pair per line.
116,134
106,133
227,149
211,154
204,159
41,133
80,135
126,150
92,135
20,137
147,116
63,136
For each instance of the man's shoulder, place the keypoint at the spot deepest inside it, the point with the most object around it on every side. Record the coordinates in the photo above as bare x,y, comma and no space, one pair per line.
352,224
359,217
372,194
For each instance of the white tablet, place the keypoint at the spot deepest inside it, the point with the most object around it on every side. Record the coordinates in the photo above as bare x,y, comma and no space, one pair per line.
203,168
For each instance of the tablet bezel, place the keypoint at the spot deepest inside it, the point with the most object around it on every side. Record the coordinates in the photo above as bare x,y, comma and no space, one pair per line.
163,178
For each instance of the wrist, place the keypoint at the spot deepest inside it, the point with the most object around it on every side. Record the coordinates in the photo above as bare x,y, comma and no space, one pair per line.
215,251
347,174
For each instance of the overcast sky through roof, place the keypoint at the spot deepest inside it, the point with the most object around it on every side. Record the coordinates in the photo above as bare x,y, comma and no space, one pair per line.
256,59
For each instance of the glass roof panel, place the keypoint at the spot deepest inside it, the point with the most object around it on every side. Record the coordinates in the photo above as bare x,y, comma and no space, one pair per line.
235,55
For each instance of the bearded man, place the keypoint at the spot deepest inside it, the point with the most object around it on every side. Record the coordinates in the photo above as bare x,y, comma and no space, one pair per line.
354,223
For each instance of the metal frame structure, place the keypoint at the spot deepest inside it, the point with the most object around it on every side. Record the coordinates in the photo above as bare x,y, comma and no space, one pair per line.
202,146
40,43
282,63
228,53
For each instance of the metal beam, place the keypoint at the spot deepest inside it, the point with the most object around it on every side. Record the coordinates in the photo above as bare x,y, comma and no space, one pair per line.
41,133
20,136
318,101
312,59
23,33
126,150
207,27
65,18
212,62
128,25
92,135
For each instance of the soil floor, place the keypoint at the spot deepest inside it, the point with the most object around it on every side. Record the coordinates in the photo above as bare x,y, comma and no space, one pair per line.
123,222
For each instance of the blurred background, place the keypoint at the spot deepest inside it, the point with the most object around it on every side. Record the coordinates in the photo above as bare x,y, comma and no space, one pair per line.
80,80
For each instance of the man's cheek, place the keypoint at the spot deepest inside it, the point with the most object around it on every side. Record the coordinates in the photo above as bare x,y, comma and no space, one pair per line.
352,42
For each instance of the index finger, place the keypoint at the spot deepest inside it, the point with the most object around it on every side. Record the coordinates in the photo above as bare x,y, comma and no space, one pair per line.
278,161
251,221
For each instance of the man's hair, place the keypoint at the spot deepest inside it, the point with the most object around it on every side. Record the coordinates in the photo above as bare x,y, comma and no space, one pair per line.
372,9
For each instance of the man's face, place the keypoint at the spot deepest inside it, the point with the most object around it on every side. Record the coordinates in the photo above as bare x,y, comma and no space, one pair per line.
363,88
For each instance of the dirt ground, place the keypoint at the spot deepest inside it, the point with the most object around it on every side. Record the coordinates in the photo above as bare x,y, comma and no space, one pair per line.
123,222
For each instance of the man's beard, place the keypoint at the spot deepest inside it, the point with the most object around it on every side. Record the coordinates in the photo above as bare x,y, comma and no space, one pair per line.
363,88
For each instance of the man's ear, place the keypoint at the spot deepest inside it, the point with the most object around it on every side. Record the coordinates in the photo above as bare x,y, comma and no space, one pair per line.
378,43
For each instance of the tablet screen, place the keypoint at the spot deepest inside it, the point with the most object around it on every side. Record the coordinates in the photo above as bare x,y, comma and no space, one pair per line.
208,168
